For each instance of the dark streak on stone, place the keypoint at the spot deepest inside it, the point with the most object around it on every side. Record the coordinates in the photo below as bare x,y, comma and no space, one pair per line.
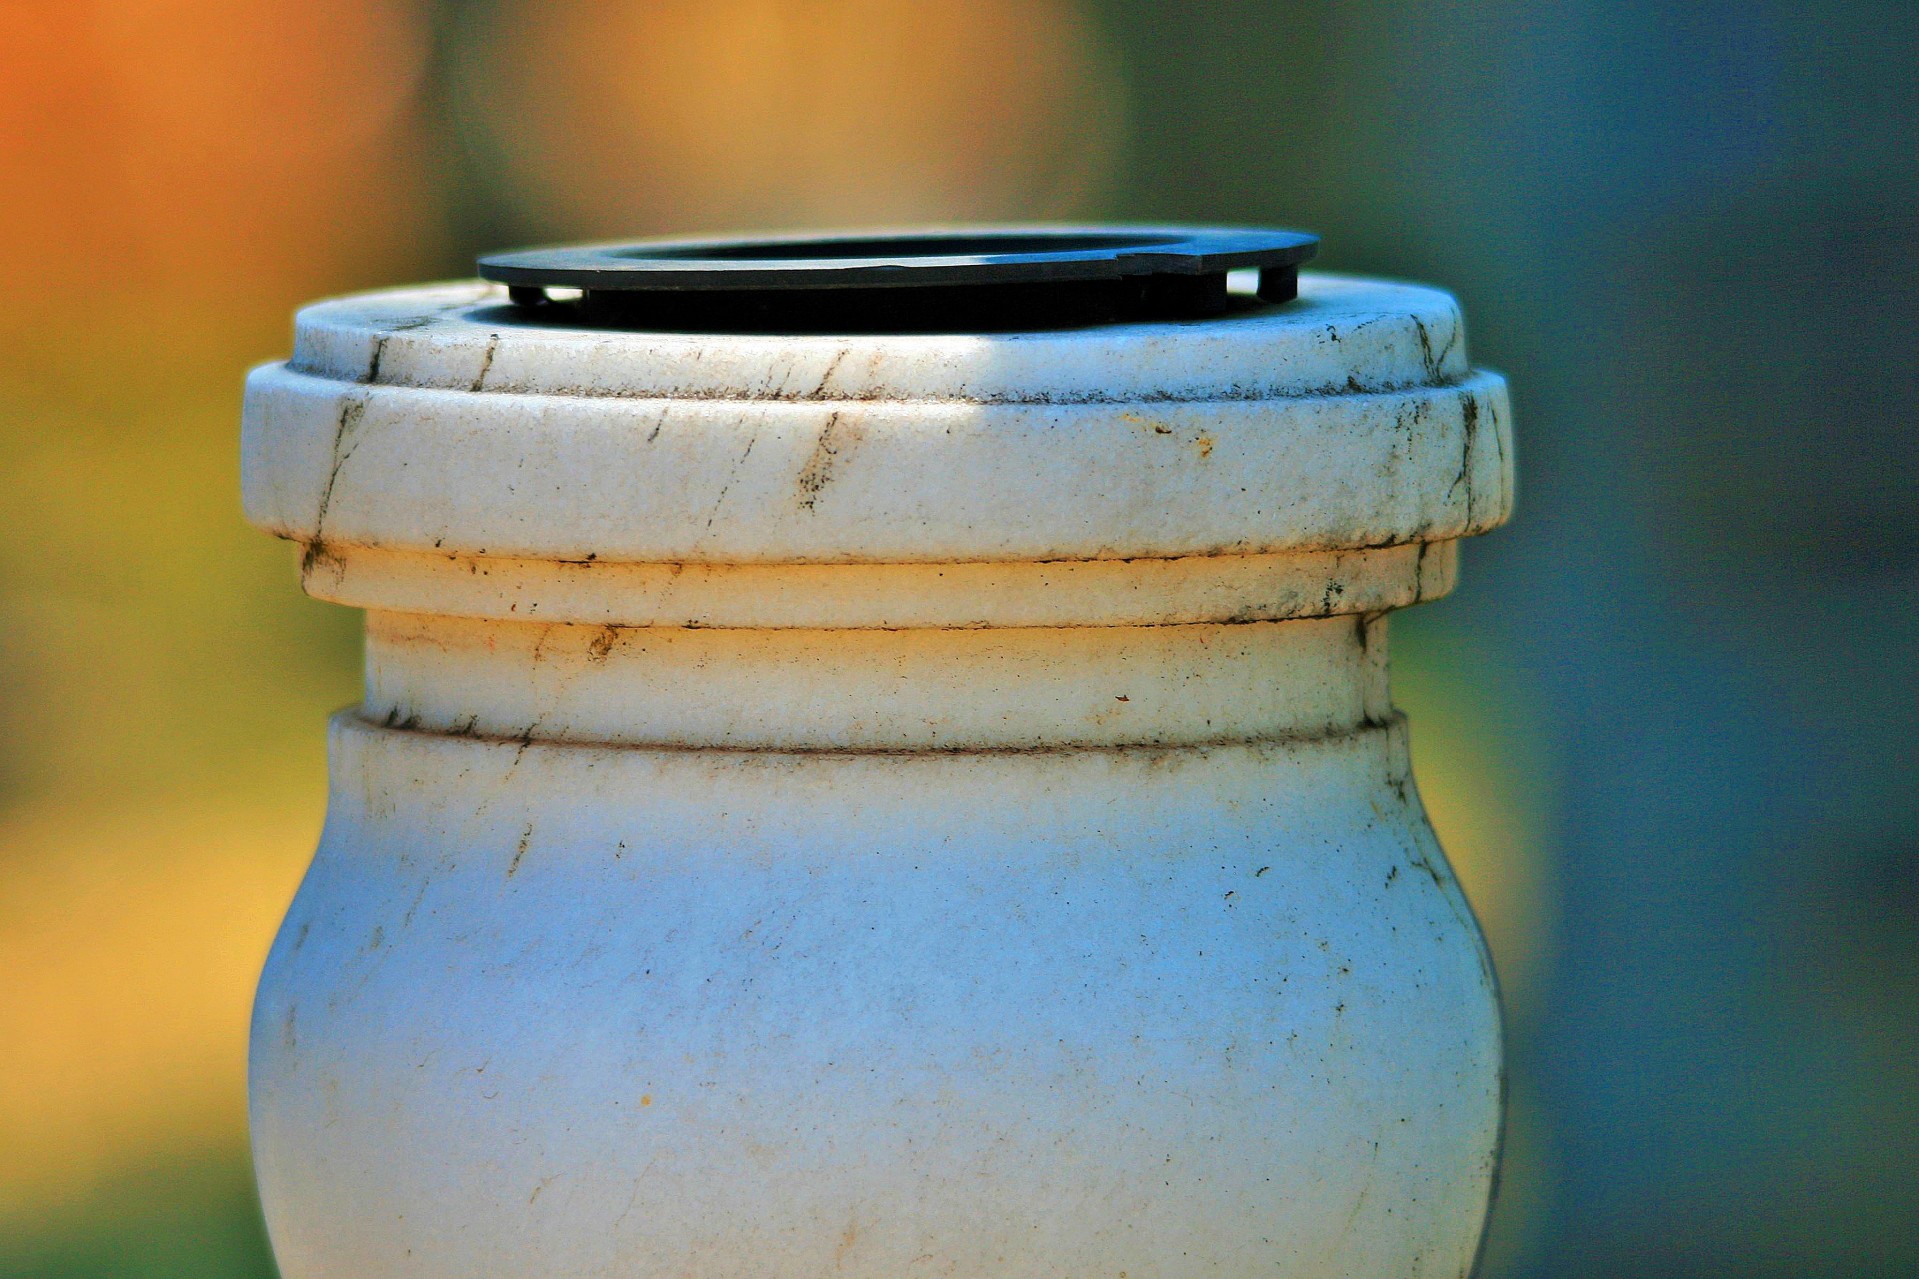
602,644
1469,420
1452,340
352,410
486,362
1426,349
1499,442
1170,751
818,471
406,920
819,392
727,487
1238,394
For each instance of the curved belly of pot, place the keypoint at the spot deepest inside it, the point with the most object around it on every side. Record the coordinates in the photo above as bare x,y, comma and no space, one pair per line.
547,1012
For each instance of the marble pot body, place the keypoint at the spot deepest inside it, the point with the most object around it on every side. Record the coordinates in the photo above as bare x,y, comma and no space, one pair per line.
877,806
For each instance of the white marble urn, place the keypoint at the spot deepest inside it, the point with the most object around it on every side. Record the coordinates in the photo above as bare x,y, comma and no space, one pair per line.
882,805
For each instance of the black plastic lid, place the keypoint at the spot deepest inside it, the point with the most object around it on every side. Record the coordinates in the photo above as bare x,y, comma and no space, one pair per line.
905,280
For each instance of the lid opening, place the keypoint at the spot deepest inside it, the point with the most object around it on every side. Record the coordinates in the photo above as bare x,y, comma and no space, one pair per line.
978,279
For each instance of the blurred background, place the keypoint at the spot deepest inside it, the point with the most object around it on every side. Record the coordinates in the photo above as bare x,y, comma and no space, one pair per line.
1669,725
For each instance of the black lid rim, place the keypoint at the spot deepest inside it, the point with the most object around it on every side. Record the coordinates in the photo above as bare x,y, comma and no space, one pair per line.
861,260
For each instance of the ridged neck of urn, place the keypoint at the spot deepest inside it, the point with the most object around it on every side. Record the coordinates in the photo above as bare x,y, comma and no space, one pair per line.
915,689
